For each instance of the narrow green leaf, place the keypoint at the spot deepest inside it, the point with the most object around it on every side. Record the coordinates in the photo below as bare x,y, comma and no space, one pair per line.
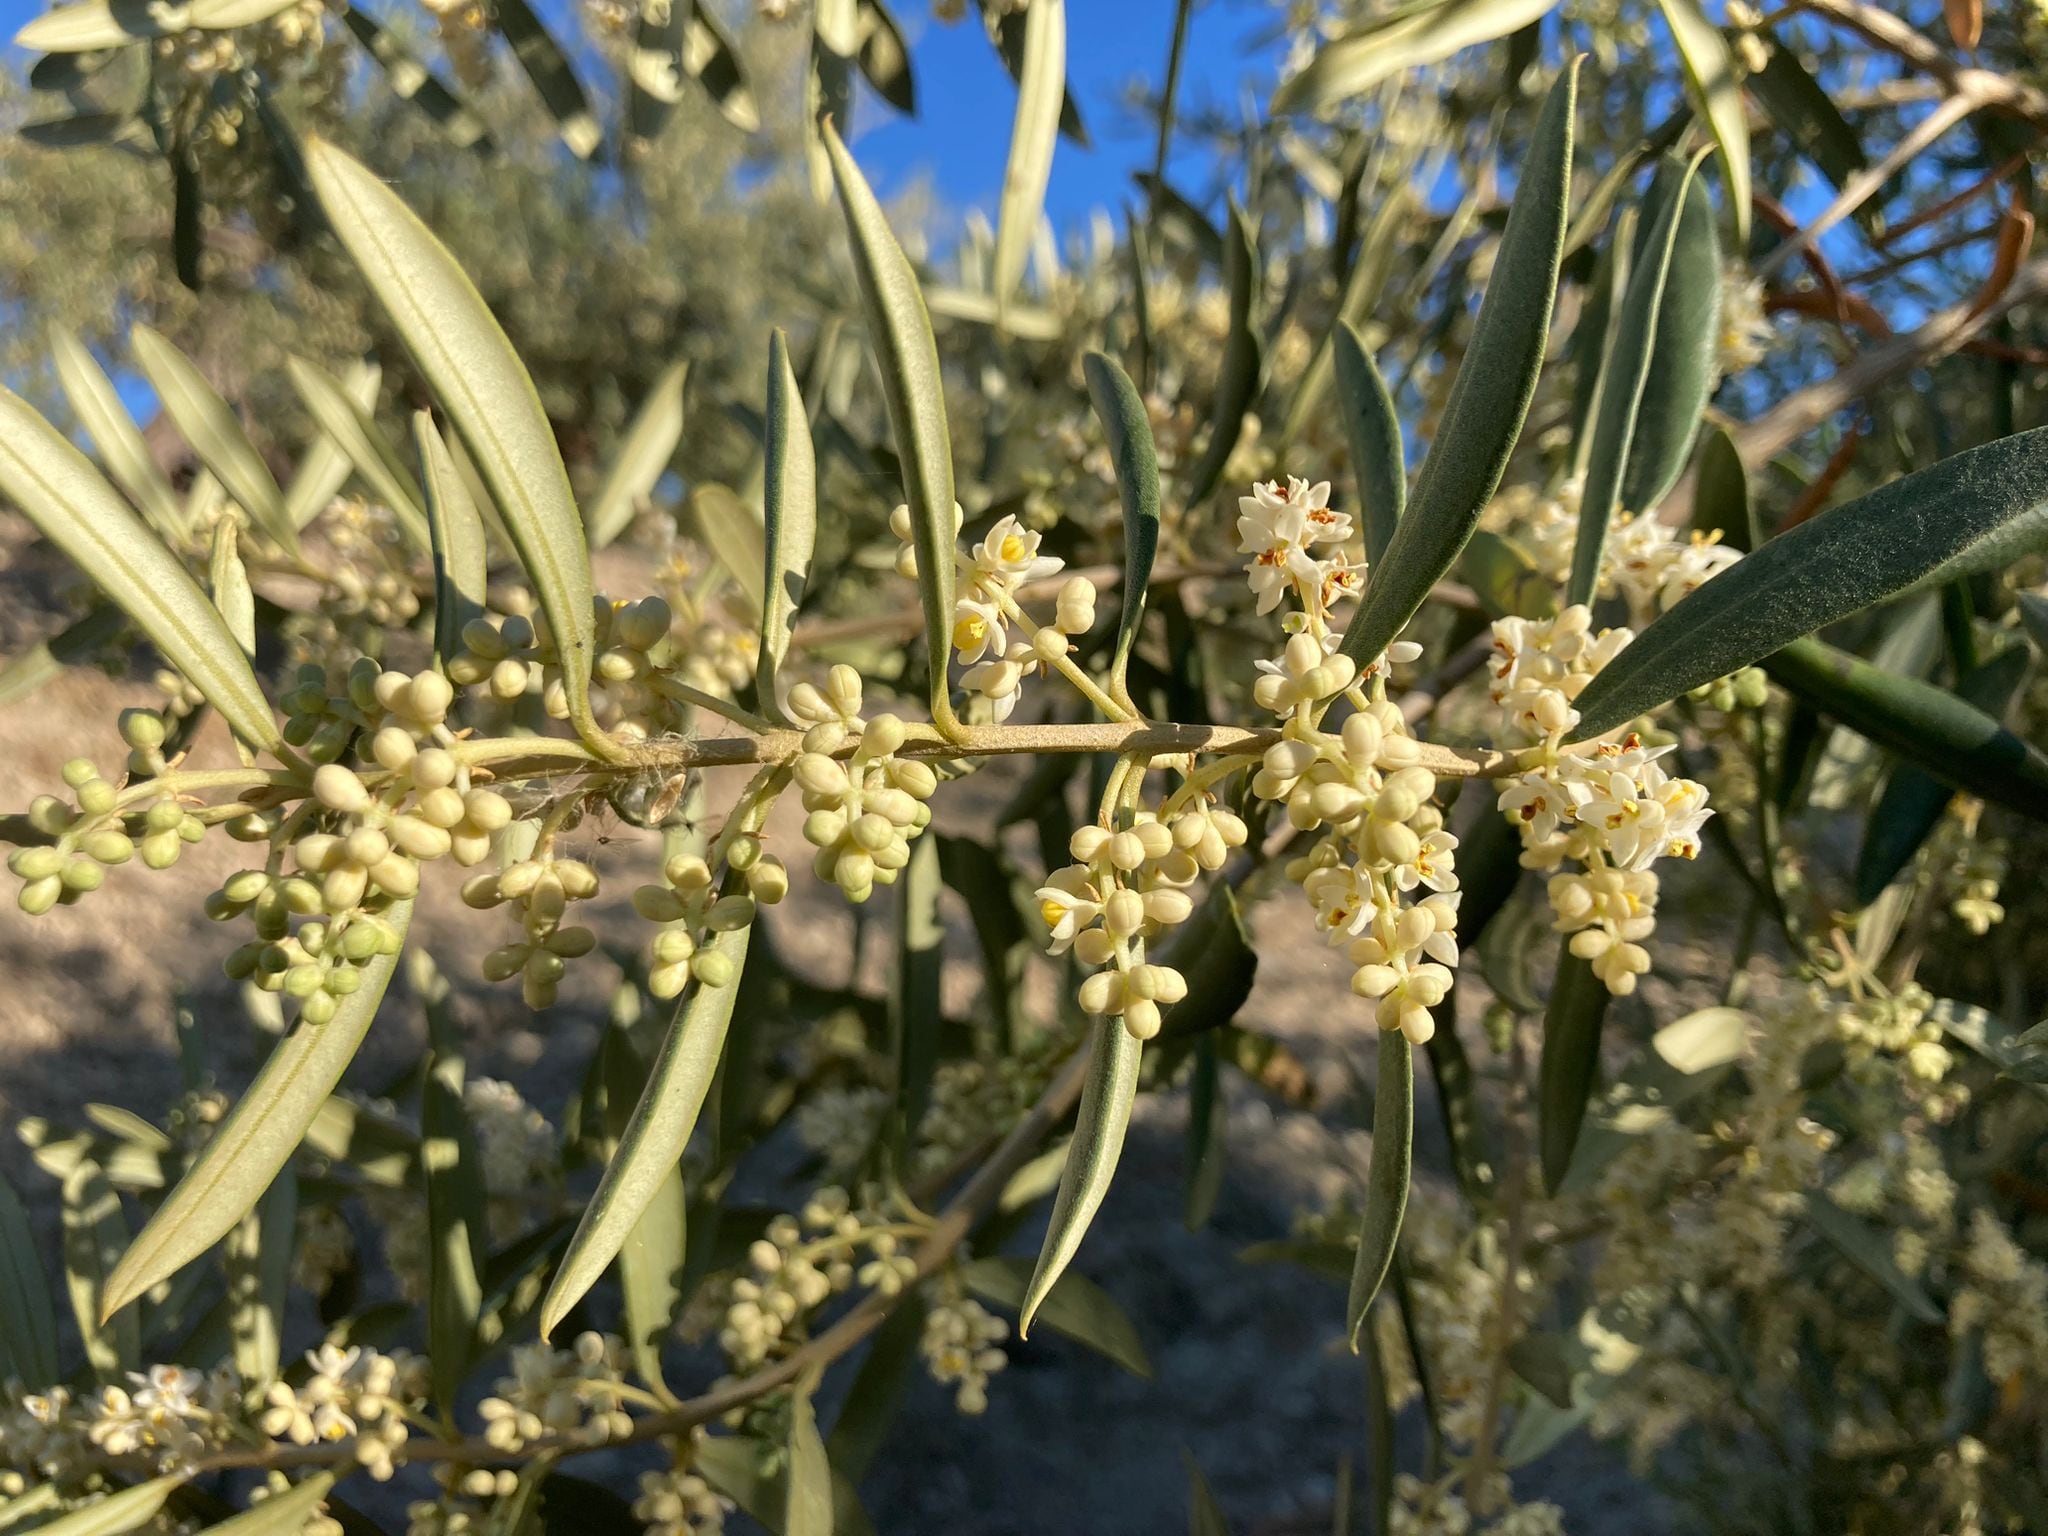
828,84
877,1390
209,424
1041,87
732,531
654,75
363,443
1570,1062
1720,500
412,82
1717,89
129,1510
1121,410
477,376
1952,739
1505,577
1237,375
1386,1191
711,59
654,1255
1977,511
808,1508
547,66
1592,344
901,333
95,24
1869,1249
28,1323
1205,1515
1806,114
258,1137
1373,431
457,1222
1625,376
78,642
1105,1114
282,1514
229,579
1208,1134
653,1141
258,1255
35,1502
641,459
1489,399
94,1234
114,433
1362,288
188,206
1075,1307
461,561
1406,38
914,1019
732,1465
790,500
1379,1432
1005,25
323,468
64,496
1685,359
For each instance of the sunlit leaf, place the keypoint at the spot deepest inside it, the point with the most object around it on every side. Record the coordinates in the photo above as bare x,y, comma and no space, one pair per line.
1041,87
1716,85
790,501
282,1514
258,1255
1977,511
1005,24
208,423
94,1234
411,81
323,468
348,424
129,1510
547,66
711,59
259,1135
643,456
1373,431
901,333
478,379
457,1218
1128,428
653,1141
461,561
1075,1307
113,431
733,532
1386,1191
1406,38
1105,1114
64,496
1483,417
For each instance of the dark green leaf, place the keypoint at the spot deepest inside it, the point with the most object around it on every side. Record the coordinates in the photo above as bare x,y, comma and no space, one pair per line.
790,500
877,1390
461,562
547,66
1803,110
1720,500
1121,410
1869,1249
1570,1062
1237,375
914,985
1075,1306
28,1323
1374,432
411,81
94,1234
885,57
1386,1191
1684,358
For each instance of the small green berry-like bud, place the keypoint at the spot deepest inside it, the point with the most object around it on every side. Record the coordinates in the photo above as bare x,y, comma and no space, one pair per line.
885,733
49,815
393,748
712,968
768,881
658,904
142,729
96,797
110,847
83,875
35,863
38,896
160,850
318,1009
78,771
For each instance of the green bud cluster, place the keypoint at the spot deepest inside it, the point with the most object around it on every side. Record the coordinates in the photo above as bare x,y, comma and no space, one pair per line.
691,905
516,656
1747,689
87,838
863,812
318,965
542,889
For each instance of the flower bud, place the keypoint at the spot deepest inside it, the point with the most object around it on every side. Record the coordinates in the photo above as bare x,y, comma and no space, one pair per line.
843,689
768,881
659,904
142,729
687,872
1123,914
338,789
1102,993
1087,842
393,748
96,797
38,896
818,775
884,734
712,968
1075,611
1142,1018
35,863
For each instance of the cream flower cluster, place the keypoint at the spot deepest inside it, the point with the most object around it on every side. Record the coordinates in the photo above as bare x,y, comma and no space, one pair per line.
676,1502
689,900
541,888
1282,529
349,1394
863,812
569,1394
962,1348
987,602
1652,565
1613,811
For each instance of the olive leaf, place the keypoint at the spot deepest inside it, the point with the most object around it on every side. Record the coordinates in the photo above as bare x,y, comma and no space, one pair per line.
547,66
1685,355
347,423
94,1234
1075,1307
876,1391
1208,1134
1570,1063
324,468
28,1324
1491,395
807,1510
732,531
208,423
1237,376
114,433
458,1233
1977,511
641,459
1626,371
654,1256
1808,116
1711,73
653,1140
1205,1515
1041,87
790,502
94,24
1952,739
711,59
79,641
901,333
1406,37
258,1261
229,579
130,1509
1720,499
1870,1251
461,562
477,377
1005,25
885,58
413,82
64,496
258,1137
1105,1115
1121,410
1386,1193
282,1514
914,1015
1373,431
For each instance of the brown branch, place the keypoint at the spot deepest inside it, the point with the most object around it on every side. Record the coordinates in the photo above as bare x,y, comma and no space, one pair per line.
1897,37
